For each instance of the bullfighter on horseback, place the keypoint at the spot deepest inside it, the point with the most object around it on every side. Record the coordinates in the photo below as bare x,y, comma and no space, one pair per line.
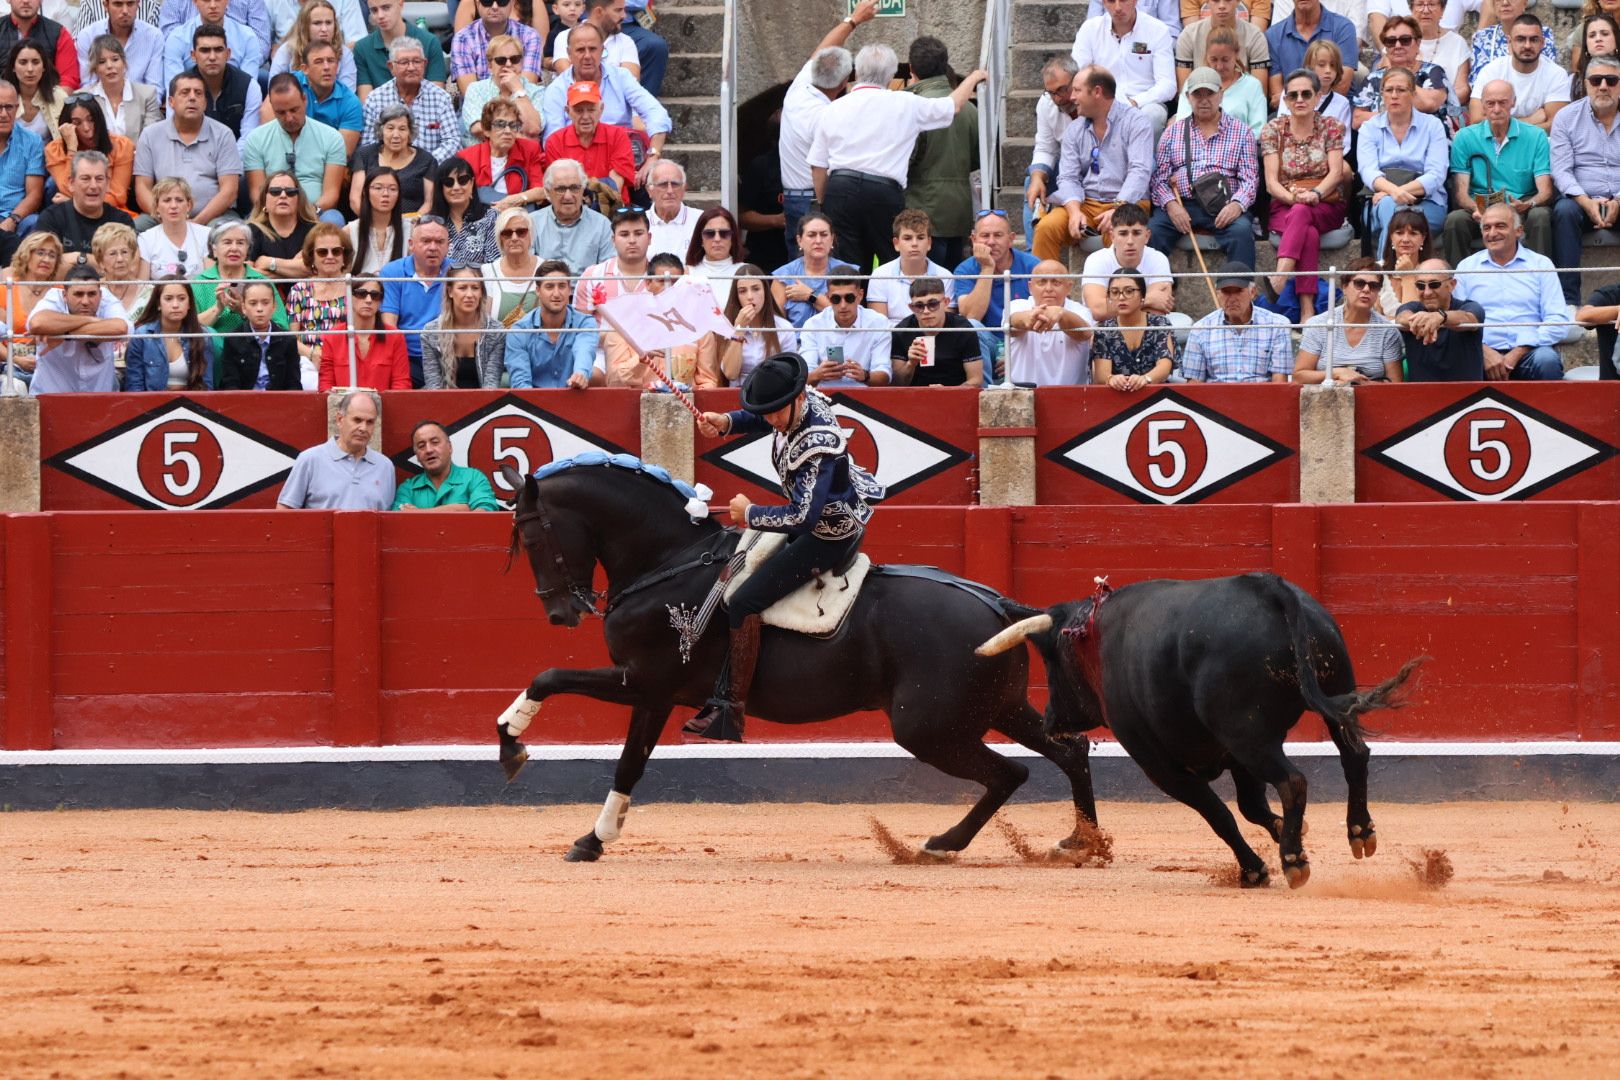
829,504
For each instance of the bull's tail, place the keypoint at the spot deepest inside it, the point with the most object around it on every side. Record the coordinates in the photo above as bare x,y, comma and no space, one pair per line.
1341,712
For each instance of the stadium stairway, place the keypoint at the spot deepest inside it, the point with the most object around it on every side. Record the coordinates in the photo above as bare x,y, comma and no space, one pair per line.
691,92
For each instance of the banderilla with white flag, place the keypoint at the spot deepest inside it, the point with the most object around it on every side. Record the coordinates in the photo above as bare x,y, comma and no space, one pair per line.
680,315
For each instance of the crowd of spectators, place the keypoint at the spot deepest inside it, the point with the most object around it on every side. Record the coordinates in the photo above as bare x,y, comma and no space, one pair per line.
283,193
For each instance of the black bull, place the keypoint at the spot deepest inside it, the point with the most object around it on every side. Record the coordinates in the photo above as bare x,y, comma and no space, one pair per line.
1195,678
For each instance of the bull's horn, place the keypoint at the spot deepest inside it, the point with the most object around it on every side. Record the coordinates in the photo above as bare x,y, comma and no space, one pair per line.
1015,634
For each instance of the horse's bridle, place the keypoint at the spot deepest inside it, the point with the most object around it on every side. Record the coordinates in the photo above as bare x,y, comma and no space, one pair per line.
585,598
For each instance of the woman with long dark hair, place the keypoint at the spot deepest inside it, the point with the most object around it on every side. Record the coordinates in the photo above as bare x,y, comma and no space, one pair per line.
471,223
1599,35
378,235
715,251
1410,242
81,125
32,70
380,359
168,350
766,330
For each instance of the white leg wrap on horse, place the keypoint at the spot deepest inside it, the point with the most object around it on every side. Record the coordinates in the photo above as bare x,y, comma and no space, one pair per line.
519,713
612,817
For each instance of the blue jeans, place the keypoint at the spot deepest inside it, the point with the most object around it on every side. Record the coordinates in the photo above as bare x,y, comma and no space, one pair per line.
795,204
653,52
1236,240
1569,224
1543,363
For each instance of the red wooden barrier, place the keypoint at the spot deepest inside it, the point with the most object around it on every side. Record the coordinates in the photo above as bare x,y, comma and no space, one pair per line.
255,628
1487,443
1181,445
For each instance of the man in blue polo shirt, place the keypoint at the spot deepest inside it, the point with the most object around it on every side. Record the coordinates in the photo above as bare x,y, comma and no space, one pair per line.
22,172
326,99
411,296
977,290
1289,38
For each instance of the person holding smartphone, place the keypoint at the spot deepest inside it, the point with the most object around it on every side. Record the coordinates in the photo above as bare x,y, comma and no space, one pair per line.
848,344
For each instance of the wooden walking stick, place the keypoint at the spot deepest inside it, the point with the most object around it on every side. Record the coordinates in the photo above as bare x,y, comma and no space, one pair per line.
1198,253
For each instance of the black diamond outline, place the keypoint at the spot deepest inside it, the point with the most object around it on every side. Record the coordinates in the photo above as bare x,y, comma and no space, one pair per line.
954,455
60,461
1379,452
1276,450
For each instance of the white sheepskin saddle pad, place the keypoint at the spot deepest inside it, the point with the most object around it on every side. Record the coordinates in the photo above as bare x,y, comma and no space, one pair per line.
820,605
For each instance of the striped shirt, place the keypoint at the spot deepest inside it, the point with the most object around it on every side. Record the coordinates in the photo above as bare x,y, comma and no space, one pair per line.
438,127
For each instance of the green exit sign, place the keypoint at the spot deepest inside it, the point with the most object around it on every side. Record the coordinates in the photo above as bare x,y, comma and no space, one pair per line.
886,9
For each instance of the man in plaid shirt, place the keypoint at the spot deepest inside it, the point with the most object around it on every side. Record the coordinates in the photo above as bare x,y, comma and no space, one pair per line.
1220,144
438,128
468,62
1238,342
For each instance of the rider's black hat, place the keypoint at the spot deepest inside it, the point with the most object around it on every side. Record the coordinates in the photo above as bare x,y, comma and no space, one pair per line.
775,383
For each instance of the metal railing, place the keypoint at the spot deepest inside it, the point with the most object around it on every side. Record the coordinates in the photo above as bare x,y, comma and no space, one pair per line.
992,95
728,105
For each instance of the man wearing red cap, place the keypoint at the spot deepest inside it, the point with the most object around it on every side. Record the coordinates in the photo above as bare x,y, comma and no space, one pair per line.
602,149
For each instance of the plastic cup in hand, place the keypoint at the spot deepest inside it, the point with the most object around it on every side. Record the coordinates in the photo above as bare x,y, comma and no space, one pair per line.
929,344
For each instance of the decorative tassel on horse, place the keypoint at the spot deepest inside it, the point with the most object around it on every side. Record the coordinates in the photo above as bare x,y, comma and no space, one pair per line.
690,624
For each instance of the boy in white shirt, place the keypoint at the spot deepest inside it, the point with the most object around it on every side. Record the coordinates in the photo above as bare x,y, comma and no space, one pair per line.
1050,336
1129,251
845,344
889,290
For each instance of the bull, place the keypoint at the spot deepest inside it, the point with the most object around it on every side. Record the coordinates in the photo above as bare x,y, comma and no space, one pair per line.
1196,678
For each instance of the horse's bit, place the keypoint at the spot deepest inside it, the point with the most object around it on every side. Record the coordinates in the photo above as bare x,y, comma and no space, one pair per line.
585,598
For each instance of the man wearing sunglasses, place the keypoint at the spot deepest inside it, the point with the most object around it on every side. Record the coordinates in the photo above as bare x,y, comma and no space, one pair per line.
1524,308
934,346
1106,161
1499,154
1585,146
847,343
1441,333
469,48
1540,86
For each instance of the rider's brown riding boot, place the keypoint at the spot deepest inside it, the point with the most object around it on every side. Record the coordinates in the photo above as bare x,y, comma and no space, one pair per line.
722,718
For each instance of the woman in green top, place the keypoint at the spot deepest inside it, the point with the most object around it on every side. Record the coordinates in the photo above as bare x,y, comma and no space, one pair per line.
218,289
1242,95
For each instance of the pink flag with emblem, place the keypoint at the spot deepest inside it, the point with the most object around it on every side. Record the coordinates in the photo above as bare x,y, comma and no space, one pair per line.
680,315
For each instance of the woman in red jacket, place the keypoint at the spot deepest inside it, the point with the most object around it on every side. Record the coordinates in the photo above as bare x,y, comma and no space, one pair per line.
380,361
515,160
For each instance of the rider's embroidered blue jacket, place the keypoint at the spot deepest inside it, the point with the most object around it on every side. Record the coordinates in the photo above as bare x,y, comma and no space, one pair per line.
828,495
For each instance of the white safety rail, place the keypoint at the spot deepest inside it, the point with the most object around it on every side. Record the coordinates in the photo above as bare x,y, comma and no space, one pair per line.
992,95
728,105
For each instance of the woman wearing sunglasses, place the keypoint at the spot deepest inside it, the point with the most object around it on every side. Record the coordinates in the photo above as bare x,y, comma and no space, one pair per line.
506,161
1431,89
1303,157
510,278
715,251
471,223
281,222
505,83
380,359
1366,347
318,303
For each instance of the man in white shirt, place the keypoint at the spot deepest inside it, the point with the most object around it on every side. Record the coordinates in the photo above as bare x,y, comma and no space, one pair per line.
671,219
888,292
846,344
822,80
1049,336
861,153
1138,51
1055,110
1129,251
1540,86
617,48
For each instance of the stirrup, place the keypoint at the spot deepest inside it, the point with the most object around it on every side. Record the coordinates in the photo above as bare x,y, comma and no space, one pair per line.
719,719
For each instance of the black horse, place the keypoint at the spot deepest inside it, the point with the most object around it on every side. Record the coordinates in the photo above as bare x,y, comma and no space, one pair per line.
906,647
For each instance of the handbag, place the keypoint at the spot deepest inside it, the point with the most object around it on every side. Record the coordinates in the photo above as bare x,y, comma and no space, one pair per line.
1211,191
1401,177
495,191
1493,195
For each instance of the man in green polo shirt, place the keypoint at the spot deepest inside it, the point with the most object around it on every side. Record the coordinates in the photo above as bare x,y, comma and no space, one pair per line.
371,51
1499,154
442,484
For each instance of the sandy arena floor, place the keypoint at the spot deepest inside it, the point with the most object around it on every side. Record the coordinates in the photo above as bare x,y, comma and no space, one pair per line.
781,941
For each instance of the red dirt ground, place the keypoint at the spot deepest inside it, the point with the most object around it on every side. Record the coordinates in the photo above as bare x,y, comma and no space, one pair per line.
780,941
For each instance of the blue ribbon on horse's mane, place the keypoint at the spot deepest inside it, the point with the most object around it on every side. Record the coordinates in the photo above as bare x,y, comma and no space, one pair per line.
696,497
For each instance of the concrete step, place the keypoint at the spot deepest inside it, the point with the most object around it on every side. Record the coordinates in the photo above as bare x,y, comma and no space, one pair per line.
692,74
700,160
1024,62
1019,122
696,119
1047,20
1015,157
695,29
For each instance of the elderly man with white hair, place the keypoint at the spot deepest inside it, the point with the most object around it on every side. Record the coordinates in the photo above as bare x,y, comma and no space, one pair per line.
861,153
343,473
822,80
671,220
567,229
